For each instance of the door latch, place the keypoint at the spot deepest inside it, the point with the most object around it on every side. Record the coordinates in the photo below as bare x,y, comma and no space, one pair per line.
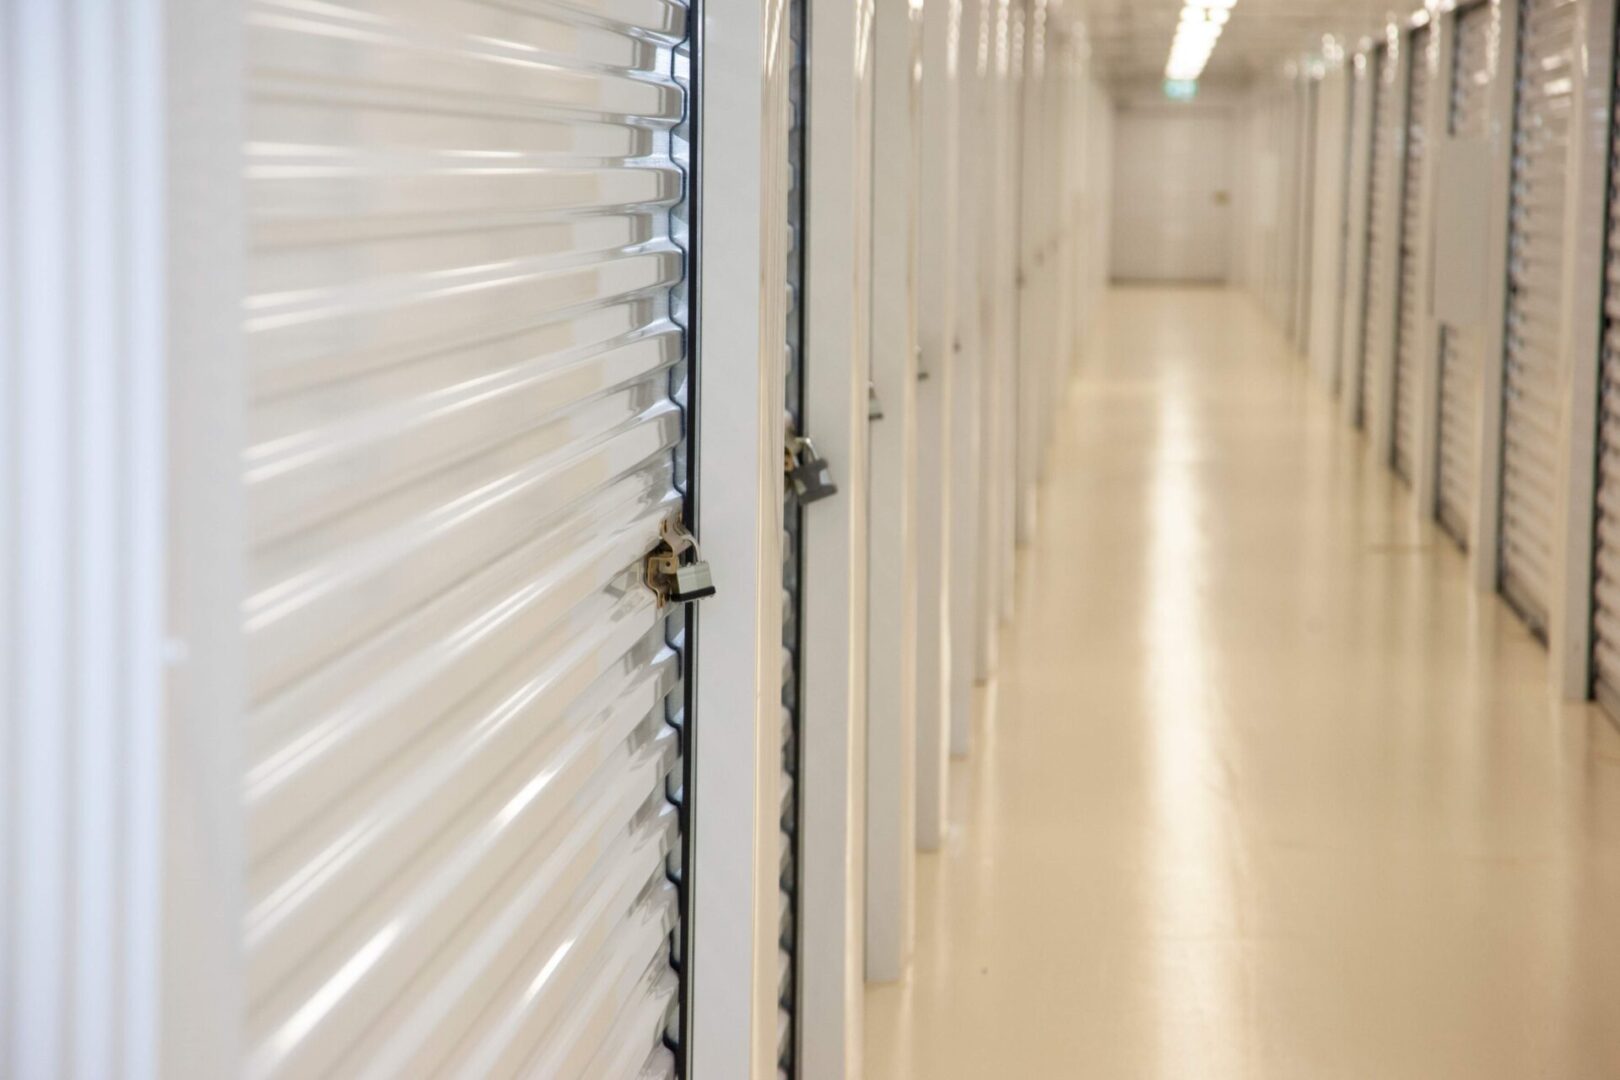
675,570
874,404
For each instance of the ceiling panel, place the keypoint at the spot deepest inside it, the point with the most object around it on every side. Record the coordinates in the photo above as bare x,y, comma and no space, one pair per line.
1131,38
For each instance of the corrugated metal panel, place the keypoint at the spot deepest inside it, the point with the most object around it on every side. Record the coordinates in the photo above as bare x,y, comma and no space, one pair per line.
1462,347
1409,319
1380,189
792,562
1606,553
1530,406
465,374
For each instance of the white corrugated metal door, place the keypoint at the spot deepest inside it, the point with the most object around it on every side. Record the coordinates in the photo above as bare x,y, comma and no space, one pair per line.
1409,318
1606,551
1530,409
1381,186
1462,347
466,428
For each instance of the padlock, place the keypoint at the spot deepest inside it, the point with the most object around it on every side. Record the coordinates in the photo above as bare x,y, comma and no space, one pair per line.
693,581
809,473
675,570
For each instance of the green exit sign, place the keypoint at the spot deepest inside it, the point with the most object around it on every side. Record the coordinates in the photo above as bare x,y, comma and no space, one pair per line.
1181,89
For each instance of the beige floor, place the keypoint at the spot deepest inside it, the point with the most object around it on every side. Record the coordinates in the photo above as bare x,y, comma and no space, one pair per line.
1268,791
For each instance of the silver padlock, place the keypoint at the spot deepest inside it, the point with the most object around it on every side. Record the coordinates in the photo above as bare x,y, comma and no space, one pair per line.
675,571
692,582
809,476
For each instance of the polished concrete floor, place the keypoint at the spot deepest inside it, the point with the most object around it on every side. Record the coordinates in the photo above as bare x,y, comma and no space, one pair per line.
1263,789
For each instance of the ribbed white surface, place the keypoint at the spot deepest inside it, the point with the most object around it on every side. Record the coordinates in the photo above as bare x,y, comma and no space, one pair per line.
1462,347
82,564
463,434
1536,244
1382,186
1606,556
1409,318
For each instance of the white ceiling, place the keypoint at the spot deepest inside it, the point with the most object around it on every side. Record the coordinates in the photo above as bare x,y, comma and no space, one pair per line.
1131,38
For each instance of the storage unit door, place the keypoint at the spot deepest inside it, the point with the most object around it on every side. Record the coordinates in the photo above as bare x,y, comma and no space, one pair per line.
792,567
467,376
1530,406
1381,186
1606,554
1409,319
1462,346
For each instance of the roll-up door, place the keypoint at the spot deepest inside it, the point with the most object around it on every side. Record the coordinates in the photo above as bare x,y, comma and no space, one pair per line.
1462,346
467,383
1409,317
792,567
1530,402
1380,189
1606,550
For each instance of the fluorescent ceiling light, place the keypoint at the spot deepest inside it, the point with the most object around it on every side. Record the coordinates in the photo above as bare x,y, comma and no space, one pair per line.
1197,32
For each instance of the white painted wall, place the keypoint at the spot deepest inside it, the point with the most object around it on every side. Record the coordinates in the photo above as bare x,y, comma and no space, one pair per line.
891,670
838,300
1329,225
742,326
120,397
938,455
1173,193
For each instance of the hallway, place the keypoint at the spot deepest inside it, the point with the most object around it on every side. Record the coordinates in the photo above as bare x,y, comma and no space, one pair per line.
1267,789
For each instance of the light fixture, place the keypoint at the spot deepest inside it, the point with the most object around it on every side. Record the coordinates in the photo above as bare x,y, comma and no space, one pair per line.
1197,32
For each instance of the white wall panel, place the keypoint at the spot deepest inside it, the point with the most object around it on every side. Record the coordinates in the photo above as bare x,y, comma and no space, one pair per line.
995,297
990,122
940,459
1304,168
891,731
1038,166
736,804
1172,186
1363,91
1378,329
1328,225
119,839
970,377
837,370
1285,242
